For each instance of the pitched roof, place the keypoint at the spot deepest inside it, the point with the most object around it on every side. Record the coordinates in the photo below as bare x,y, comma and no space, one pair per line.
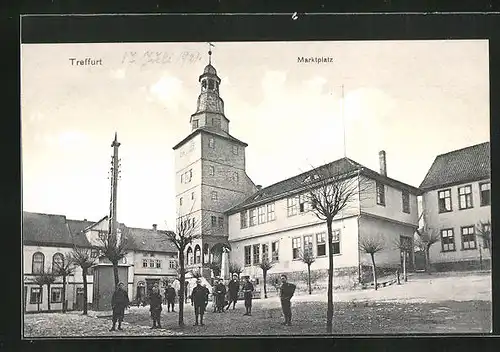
48,229
343,166
149,240
459,166
210,130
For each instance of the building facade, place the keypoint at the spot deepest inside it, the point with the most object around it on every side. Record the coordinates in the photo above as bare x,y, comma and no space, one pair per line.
457,197
47,238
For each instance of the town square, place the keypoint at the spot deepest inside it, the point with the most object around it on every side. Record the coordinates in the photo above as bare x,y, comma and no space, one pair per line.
202,189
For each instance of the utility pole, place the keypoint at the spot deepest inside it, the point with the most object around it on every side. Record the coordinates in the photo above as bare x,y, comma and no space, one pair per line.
115,171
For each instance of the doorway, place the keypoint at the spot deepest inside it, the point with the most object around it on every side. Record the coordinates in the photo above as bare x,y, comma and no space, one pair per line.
79,298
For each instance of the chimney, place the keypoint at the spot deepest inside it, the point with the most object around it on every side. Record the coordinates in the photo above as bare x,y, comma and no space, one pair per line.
154,227
259,187
383,165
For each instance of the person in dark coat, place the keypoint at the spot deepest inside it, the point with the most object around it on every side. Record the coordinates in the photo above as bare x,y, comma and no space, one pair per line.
233,288
170,297
247,294
119,301
199,299
286,293
155,300
220,292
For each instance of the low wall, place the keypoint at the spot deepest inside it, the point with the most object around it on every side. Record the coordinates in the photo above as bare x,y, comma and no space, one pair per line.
464,265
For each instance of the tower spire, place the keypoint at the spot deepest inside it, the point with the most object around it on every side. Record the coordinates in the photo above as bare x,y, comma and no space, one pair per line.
210,45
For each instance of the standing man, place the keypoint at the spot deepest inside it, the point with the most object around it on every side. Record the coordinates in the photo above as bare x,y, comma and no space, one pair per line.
234,287
155,307
247,293
220,292
199,299
286,293
119,301
170,297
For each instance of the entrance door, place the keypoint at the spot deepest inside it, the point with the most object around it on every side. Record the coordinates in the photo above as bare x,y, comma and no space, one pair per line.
419,261
79,298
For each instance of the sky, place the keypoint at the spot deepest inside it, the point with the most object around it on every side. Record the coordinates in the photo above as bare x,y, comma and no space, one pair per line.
413,99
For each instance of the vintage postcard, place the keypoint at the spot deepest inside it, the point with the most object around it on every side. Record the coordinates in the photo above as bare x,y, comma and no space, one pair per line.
256,188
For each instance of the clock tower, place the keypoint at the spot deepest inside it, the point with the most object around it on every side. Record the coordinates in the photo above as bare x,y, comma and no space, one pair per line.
210,174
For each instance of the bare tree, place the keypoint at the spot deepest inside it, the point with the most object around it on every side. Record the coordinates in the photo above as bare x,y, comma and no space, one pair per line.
45,278
371,246
398,243
64,269
328,191
115,248
186,231
235,269
82,257
483,230
308,258
265,265
427,236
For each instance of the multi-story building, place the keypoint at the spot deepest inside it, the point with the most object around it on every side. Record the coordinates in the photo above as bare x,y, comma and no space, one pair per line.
47,238
456,199
212,186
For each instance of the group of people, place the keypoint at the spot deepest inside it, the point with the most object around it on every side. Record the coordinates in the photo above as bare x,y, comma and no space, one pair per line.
222,299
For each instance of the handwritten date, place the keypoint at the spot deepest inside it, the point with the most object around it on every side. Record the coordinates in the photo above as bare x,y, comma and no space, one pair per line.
149,57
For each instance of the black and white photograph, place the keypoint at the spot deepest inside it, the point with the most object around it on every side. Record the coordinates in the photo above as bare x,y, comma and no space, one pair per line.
256,188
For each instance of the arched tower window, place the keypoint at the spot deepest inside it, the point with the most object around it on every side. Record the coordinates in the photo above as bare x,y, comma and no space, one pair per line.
197,254
211,85
189,256
204,85
37,263
205,253
57,262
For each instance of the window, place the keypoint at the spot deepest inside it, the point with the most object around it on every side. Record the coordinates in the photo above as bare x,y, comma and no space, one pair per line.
485,190
465,197
468,238
103,236
406,201
37,263
270,212
36,295
151,263
205,253
172,264
235,149
447,240
243,219
214,195
444,201
180,201
192,195
256,254
211,143
253,217
292,206
57,262
216,121
336,242
265,252
296,247
221,221
248,255
211,170
320,244
380,193
262,214
308,244
189,256
214,221
56,294
303,204
94,253
158,264
195,123
275,251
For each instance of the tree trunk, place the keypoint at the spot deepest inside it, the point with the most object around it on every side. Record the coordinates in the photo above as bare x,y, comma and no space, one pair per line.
309,277
115,272
64,294
38,300
480,258
427,260
182,284
264,273
374,270
85,293
48,297
405,278
329,311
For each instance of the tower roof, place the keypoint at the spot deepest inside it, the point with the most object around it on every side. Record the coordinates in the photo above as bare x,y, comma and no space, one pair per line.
210,69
